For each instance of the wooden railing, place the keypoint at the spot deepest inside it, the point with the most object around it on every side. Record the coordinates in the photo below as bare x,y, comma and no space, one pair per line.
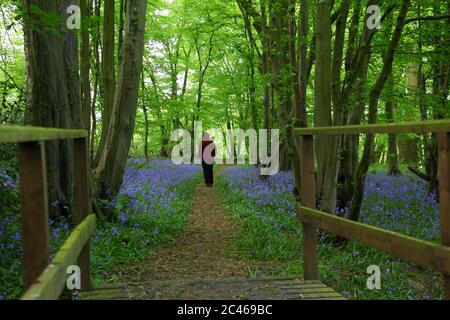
421,252
41,279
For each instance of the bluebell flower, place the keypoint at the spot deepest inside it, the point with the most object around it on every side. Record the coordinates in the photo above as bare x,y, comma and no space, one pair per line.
114,231
15,237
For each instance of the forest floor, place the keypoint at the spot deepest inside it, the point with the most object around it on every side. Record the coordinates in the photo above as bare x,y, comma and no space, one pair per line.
246,228
204,250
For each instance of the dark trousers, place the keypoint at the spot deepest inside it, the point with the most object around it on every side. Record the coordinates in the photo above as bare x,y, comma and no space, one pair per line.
208,173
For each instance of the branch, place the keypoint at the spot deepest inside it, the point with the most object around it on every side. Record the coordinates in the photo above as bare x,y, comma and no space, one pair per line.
427,18
420,174
246,7
12,80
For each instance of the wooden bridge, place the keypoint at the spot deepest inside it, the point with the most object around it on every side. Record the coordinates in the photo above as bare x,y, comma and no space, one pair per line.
47,281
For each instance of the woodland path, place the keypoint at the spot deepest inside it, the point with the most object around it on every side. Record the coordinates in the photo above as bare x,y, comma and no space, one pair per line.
205,249
203,263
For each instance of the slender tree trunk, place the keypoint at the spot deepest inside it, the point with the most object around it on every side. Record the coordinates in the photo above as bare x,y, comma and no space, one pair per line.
265,67
297,111
392,153
322,112
187,55
334,149
122,9
85,65
350,159
109,78
252,90
408,144
109,172
146,121
281,69
96,75
202,69
440,88
303,62
163,131
375,93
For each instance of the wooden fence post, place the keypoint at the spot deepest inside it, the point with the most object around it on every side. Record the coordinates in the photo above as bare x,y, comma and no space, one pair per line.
444,196
81,204
34,209
308,199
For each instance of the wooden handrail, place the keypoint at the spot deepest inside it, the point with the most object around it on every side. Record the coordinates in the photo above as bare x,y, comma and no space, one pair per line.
419,127
424,253
421,252
41,280
51,282
15,134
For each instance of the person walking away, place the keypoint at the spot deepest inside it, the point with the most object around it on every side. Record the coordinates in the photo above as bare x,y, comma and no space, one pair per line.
208,153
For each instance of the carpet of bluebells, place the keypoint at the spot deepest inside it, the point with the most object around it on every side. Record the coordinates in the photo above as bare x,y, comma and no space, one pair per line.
266,210
151,209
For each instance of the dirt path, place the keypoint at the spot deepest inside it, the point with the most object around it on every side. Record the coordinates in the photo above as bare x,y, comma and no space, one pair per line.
203,251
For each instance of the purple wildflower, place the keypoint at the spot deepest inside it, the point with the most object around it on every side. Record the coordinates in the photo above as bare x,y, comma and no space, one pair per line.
114,231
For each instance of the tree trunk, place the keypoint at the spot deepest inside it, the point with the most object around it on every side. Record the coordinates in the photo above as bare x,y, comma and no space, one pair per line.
163,139
334,149
281,69
375,93
53,63
96,75
85,65
440,85
109,77
299,109
350,159
146,121
122,9
109,172
303,63
392,153
322,112
265,67
74,117
203,67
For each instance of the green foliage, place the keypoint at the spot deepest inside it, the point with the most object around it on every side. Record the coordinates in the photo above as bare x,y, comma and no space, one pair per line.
114,245
278,237
117,245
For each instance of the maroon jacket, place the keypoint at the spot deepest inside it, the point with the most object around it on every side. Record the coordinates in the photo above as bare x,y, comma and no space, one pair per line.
205,157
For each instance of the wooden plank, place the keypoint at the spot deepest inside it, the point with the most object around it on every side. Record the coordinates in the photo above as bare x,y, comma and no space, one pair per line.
104,294
213,289
444,197
419,127
81,204
308,198
12,134
234,280
317,296
418,251
300,286
34,210
308,290
51,282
